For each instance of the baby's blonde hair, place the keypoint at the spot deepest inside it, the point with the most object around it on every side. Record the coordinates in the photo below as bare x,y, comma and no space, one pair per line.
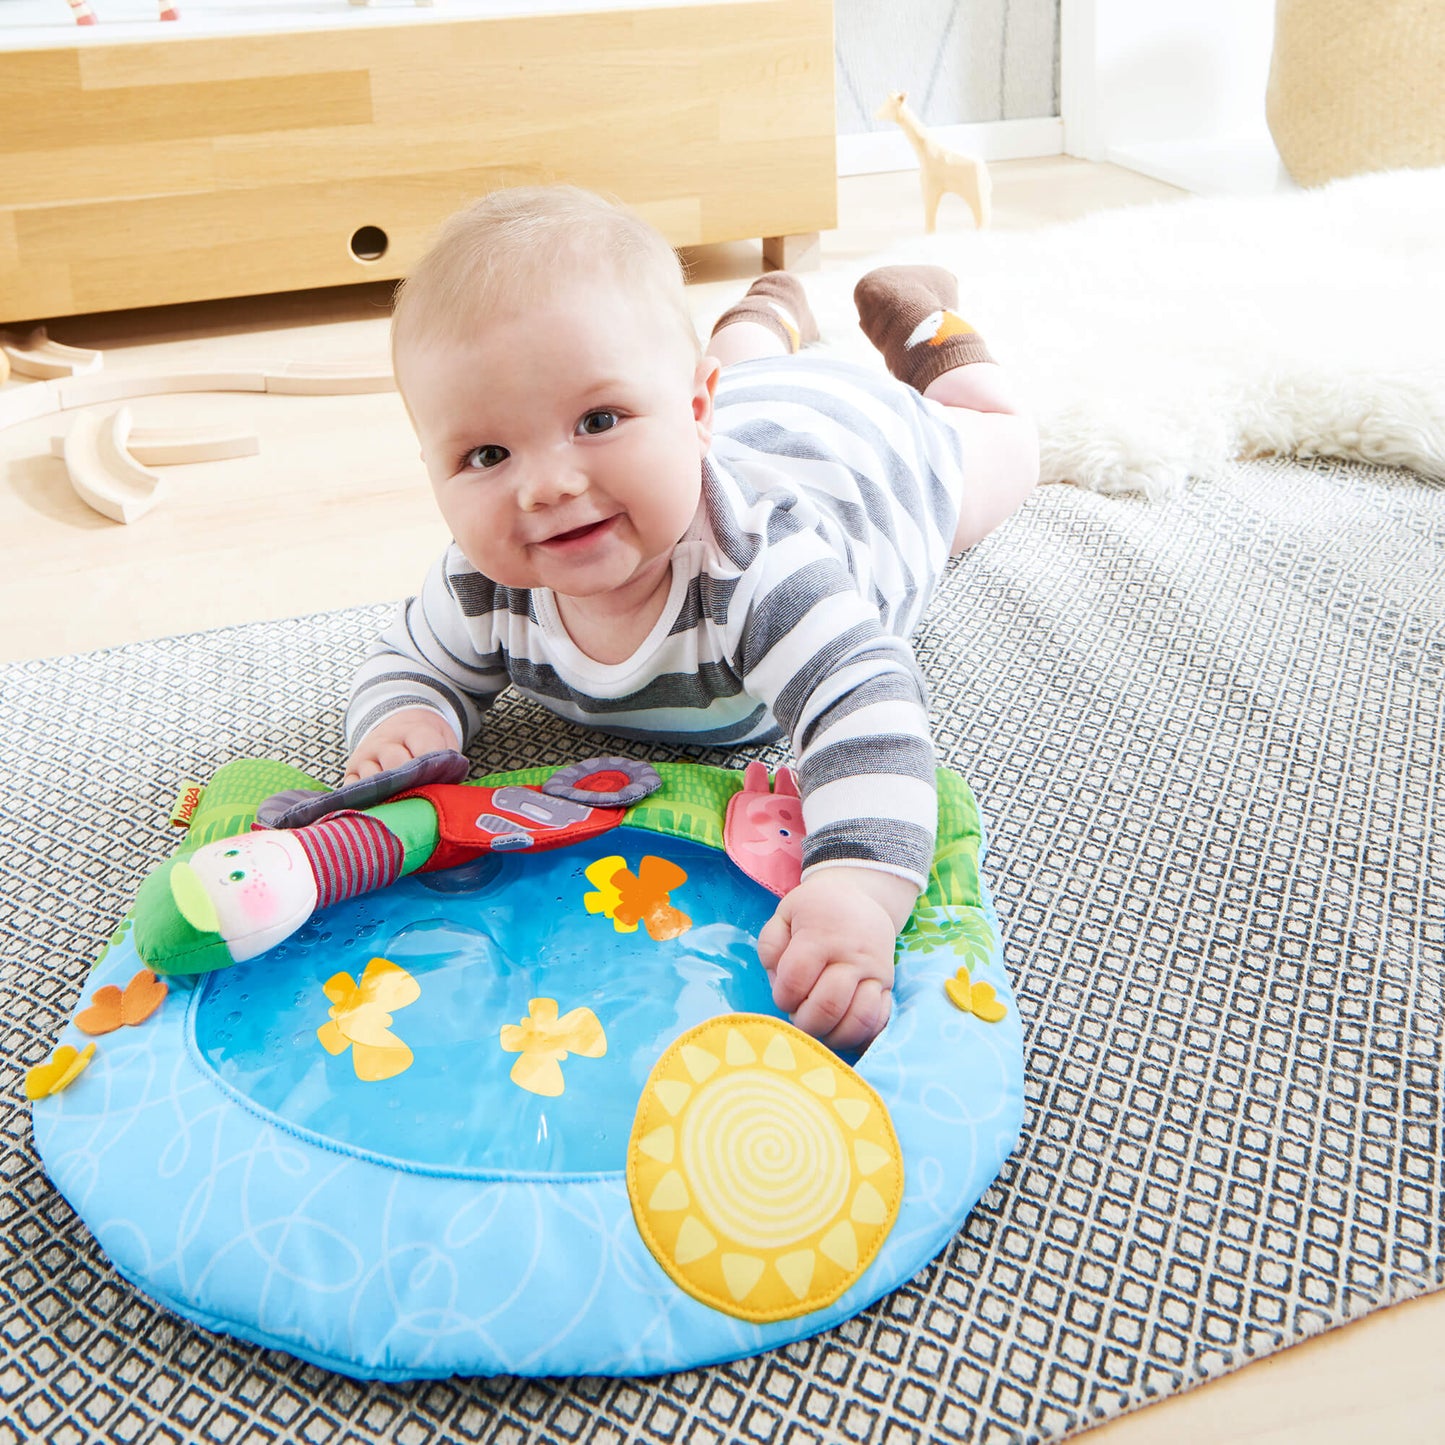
511,246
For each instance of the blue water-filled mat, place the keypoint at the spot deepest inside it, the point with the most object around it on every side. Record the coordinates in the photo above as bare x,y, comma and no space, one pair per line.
585,1149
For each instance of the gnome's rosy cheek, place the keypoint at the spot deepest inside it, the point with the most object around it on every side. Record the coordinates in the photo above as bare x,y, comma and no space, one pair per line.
253,884
256,901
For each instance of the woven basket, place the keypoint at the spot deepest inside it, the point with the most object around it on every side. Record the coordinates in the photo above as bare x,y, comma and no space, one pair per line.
1357,85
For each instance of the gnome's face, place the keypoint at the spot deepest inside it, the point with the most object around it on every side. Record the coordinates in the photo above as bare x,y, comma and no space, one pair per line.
254,890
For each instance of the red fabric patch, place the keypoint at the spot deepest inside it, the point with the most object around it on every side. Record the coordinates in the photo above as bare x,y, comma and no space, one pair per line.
473,820
608,782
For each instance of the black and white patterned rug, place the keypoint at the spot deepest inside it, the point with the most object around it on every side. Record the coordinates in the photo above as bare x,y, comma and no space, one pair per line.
1207,739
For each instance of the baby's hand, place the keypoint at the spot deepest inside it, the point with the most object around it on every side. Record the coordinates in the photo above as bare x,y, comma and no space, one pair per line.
397,739
829,952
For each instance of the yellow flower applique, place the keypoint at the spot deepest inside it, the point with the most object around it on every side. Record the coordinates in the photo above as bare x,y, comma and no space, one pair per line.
58,1072
361,1019
544,1040
607,899
977,999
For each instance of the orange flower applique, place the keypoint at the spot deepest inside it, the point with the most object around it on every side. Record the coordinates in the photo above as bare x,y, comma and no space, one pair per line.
112,1008
644,897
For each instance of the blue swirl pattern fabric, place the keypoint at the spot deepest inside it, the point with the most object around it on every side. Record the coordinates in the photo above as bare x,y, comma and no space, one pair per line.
239,1176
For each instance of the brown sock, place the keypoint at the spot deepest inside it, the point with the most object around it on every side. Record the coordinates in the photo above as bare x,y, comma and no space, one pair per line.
907,313
776,301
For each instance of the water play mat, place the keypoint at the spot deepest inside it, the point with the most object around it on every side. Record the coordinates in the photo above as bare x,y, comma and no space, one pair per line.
534,1112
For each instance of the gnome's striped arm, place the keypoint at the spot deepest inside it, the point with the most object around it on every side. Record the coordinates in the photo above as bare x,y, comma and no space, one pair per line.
236,897
352,853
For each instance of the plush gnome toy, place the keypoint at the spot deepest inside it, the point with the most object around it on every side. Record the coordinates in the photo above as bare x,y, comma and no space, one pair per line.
236,897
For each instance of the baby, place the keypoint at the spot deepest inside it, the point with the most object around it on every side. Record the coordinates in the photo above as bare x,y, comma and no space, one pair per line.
653,551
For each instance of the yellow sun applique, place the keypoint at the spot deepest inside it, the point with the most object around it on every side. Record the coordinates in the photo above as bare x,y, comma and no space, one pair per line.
544,1040
58,1072
978,999
361,1019
764,1174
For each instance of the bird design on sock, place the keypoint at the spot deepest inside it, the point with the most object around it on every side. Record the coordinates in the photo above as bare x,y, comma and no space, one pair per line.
937,327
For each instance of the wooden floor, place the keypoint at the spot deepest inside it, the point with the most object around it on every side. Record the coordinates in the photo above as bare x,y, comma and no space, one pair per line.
334,511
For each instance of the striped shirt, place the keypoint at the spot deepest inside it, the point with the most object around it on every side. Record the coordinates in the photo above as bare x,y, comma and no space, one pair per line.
829,499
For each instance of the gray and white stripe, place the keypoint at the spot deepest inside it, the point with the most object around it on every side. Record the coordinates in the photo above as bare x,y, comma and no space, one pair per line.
830,497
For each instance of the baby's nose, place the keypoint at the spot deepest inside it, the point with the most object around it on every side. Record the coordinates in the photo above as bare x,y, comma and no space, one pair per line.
546,485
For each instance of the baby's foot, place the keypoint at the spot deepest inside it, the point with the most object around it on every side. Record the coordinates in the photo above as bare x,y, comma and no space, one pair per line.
775,300
907,313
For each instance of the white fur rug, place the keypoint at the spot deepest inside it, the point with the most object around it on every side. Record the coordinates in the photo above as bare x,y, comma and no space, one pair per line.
1161,341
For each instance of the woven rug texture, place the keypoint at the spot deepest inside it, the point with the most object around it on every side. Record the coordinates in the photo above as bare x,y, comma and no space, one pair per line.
1206,739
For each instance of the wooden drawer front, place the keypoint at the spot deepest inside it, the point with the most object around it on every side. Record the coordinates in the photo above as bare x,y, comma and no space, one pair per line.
139,174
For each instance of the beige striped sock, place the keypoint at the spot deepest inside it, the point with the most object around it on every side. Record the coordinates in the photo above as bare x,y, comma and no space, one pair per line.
776,301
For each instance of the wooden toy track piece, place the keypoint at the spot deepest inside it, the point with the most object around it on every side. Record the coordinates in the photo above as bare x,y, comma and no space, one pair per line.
42,398
103,472
124,385
40,357
322,378
25,403
167,446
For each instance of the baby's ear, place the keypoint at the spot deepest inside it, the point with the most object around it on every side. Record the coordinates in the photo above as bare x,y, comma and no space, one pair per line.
704,388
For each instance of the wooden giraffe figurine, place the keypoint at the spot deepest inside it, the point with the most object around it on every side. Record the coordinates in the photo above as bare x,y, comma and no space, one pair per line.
939,168
84,15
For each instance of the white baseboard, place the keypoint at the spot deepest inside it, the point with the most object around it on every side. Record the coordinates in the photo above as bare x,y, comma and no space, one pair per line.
1226,166
995,140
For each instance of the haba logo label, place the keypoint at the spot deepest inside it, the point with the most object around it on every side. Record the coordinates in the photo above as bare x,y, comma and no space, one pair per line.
186,804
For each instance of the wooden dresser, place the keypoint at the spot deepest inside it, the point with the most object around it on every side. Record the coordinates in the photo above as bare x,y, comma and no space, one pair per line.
137,172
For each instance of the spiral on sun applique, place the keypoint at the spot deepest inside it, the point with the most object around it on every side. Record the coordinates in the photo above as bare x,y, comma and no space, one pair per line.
765,1160
764,1174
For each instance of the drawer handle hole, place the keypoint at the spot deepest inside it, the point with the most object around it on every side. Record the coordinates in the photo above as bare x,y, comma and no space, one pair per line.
369,243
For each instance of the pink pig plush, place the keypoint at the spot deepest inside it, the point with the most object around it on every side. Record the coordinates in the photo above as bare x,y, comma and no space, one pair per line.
763,832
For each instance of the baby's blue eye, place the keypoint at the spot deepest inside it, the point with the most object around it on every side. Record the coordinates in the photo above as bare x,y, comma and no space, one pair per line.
237,876
231,853
480,458
596,422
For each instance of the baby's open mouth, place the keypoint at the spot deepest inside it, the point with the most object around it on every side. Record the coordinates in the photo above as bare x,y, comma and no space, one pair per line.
578,533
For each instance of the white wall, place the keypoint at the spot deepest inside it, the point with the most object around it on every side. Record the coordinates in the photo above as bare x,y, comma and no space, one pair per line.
961,61
982,75
1171,88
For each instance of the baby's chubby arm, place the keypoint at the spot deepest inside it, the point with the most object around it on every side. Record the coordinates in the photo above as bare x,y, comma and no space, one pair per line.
407,733
828,951
424,684
852,701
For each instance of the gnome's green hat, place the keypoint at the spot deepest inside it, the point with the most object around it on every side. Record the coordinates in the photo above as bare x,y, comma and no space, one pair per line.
175,923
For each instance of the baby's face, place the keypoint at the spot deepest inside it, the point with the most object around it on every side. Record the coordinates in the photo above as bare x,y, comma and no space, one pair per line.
565,443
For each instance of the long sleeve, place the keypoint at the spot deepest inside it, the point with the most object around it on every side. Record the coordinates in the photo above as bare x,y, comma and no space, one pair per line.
848,694
432,654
